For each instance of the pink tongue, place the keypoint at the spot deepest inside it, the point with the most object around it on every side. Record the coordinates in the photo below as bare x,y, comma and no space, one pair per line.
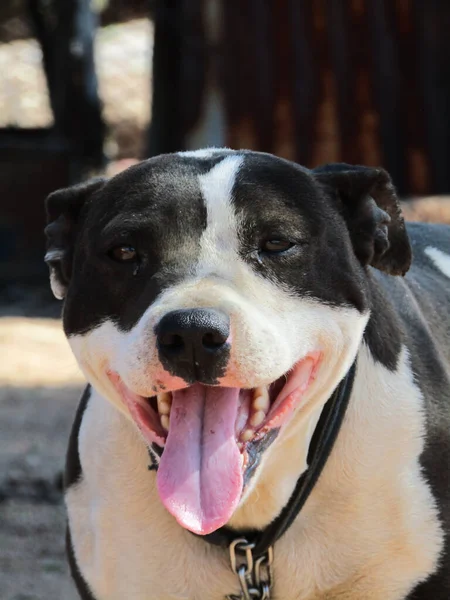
200,476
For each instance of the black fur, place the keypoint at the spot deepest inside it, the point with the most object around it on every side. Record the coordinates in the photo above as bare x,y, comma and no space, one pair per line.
73,466
72,474
82,587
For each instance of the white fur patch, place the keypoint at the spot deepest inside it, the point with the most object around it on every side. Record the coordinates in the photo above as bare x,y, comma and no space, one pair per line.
368,532
58,289
219,242
203,153
440,259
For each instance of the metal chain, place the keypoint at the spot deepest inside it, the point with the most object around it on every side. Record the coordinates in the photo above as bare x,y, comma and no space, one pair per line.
255,576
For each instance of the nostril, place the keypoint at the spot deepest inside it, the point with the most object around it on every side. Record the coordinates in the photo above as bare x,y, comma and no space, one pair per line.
171,341
213,340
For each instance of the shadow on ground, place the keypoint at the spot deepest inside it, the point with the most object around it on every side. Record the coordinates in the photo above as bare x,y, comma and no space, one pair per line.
41,385
34,428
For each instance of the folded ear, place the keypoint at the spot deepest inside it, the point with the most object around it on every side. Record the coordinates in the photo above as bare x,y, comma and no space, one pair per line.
369,204
63,211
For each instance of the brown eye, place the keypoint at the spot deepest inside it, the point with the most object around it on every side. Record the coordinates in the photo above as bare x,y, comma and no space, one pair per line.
123,254
276,246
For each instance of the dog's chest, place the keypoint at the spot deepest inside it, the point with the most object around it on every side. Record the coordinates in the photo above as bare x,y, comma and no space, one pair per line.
371,535
127,550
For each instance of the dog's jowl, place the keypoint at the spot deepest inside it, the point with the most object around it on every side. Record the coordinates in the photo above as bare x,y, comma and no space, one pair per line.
215,301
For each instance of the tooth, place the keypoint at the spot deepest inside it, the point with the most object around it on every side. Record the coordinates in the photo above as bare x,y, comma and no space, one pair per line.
257,418
247,435
164,401
261,399
165,422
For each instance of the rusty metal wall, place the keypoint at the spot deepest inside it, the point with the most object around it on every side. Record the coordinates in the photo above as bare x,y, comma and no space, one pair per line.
361,81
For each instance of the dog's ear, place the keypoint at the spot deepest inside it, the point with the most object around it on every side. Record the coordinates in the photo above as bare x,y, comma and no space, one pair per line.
369,204
63,210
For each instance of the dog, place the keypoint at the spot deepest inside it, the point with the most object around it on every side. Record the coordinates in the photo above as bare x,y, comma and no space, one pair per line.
215,300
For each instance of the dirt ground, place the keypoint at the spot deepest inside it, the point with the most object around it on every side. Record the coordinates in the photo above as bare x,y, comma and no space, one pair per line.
40,386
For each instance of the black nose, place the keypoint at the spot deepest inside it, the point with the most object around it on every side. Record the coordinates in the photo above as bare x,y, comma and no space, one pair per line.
192,344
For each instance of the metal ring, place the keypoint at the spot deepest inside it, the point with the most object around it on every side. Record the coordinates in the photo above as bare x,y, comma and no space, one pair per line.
252,585
242,574
246,547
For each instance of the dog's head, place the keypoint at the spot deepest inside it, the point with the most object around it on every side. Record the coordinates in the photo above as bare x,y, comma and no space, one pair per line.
217,298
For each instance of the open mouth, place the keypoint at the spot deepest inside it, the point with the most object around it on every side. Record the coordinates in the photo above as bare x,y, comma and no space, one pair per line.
207,433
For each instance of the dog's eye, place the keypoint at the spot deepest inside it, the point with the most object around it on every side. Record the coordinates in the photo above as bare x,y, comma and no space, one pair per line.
123,254
276,246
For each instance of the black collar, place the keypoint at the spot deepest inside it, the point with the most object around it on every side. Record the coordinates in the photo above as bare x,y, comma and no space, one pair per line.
322,443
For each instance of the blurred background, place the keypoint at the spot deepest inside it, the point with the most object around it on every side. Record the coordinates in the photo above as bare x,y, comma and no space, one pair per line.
91,86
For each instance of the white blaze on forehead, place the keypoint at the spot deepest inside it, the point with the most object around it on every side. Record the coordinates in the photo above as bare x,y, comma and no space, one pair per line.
203,153
219,241
440,259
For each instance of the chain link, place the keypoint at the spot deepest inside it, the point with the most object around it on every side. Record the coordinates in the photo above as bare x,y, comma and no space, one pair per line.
255,576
